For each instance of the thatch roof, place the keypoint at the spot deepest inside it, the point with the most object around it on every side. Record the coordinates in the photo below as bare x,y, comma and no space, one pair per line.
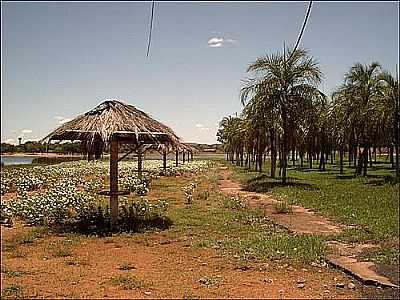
117,119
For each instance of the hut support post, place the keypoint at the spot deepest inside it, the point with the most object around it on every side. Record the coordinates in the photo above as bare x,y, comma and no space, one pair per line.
191,156
114,182
183,156
139,154
165,161
176,157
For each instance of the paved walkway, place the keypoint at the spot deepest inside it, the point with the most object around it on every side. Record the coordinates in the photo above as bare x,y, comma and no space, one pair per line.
305,221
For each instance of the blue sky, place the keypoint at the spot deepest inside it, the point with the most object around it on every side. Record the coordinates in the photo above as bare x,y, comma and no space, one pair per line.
62,59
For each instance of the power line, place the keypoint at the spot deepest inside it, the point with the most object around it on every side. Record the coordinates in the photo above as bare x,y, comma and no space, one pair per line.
302,29
151,29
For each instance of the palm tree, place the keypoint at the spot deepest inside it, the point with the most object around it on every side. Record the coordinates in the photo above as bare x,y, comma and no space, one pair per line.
362,87
391,111
288,83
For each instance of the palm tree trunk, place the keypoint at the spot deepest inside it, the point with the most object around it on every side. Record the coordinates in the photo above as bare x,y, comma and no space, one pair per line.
397,134
341,158
285,143
273,152
301,159
391,155
370,156
365,158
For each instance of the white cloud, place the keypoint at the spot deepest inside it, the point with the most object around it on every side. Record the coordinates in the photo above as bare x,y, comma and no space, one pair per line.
215,45
9,141
201,127
61,120
64,121
216,42
26,131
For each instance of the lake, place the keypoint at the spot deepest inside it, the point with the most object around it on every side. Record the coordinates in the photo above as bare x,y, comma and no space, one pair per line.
17,160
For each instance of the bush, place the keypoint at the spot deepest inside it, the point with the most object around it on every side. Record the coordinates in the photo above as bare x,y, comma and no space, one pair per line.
235,202
61,204
188,190
282,207
132,216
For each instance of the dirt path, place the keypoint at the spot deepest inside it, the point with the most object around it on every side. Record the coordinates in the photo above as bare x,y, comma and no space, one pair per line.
301,220
305,221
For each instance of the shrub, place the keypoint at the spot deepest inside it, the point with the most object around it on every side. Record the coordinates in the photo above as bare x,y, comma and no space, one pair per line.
132,216
235,202
188,190
61,204
282,207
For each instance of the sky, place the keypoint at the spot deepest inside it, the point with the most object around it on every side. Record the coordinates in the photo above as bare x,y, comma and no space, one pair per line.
62,59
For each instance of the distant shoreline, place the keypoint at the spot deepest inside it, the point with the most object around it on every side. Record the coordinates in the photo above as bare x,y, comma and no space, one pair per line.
40,154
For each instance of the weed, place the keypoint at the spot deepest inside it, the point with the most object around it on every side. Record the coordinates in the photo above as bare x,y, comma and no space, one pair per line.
128,282
61,251
282,207
13,290
12,273
235,202
18,254
209,281
126,267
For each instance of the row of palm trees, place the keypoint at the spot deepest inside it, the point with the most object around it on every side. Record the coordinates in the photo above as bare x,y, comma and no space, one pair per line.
285,113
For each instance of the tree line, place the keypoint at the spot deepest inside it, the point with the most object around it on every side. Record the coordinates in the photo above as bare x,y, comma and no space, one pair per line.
37,147
286,114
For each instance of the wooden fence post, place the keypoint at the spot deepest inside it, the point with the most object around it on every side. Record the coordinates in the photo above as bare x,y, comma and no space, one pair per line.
165,161
139,153
114,182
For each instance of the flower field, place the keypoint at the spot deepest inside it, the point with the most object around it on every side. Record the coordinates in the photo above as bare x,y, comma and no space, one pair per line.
69,192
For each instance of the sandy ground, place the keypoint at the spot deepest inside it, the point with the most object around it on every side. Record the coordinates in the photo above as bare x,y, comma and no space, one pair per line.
163,268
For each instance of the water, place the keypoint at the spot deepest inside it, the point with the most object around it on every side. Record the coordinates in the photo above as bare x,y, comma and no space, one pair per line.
16,160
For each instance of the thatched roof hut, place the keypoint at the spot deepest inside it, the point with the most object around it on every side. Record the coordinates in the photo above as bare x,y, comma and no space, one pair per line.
113,118
111,123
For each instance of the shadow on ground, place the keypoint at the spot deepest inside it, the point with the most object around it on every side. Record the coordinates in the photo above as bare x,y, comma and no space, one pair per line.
263,183
102,228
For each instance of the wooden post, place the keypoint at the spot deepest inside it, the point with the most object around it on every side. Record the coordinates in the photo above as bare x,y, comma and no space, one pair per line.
183,156
114,182
165,161
191,156
176,157
139,153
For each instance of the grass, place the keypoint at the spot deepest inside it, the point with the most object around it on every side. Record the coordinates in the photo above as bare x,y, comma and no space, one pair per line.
12,273
282,207
209,281
304,248
12,291
128,282
126,267
369,203
63,248
228,224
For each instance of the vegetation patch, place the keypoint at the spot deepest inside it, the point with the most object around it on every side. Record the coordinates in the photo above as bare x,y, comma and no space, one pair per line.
12,291
129,282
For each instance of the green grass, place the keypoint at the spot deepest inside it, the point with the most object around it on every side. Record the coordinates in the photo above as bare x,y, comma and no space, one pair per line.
229,225
369,203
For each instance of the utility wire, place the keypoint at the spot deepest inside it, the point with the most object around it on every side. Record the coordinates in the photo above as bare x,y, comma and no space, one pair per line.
302,29
151,29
